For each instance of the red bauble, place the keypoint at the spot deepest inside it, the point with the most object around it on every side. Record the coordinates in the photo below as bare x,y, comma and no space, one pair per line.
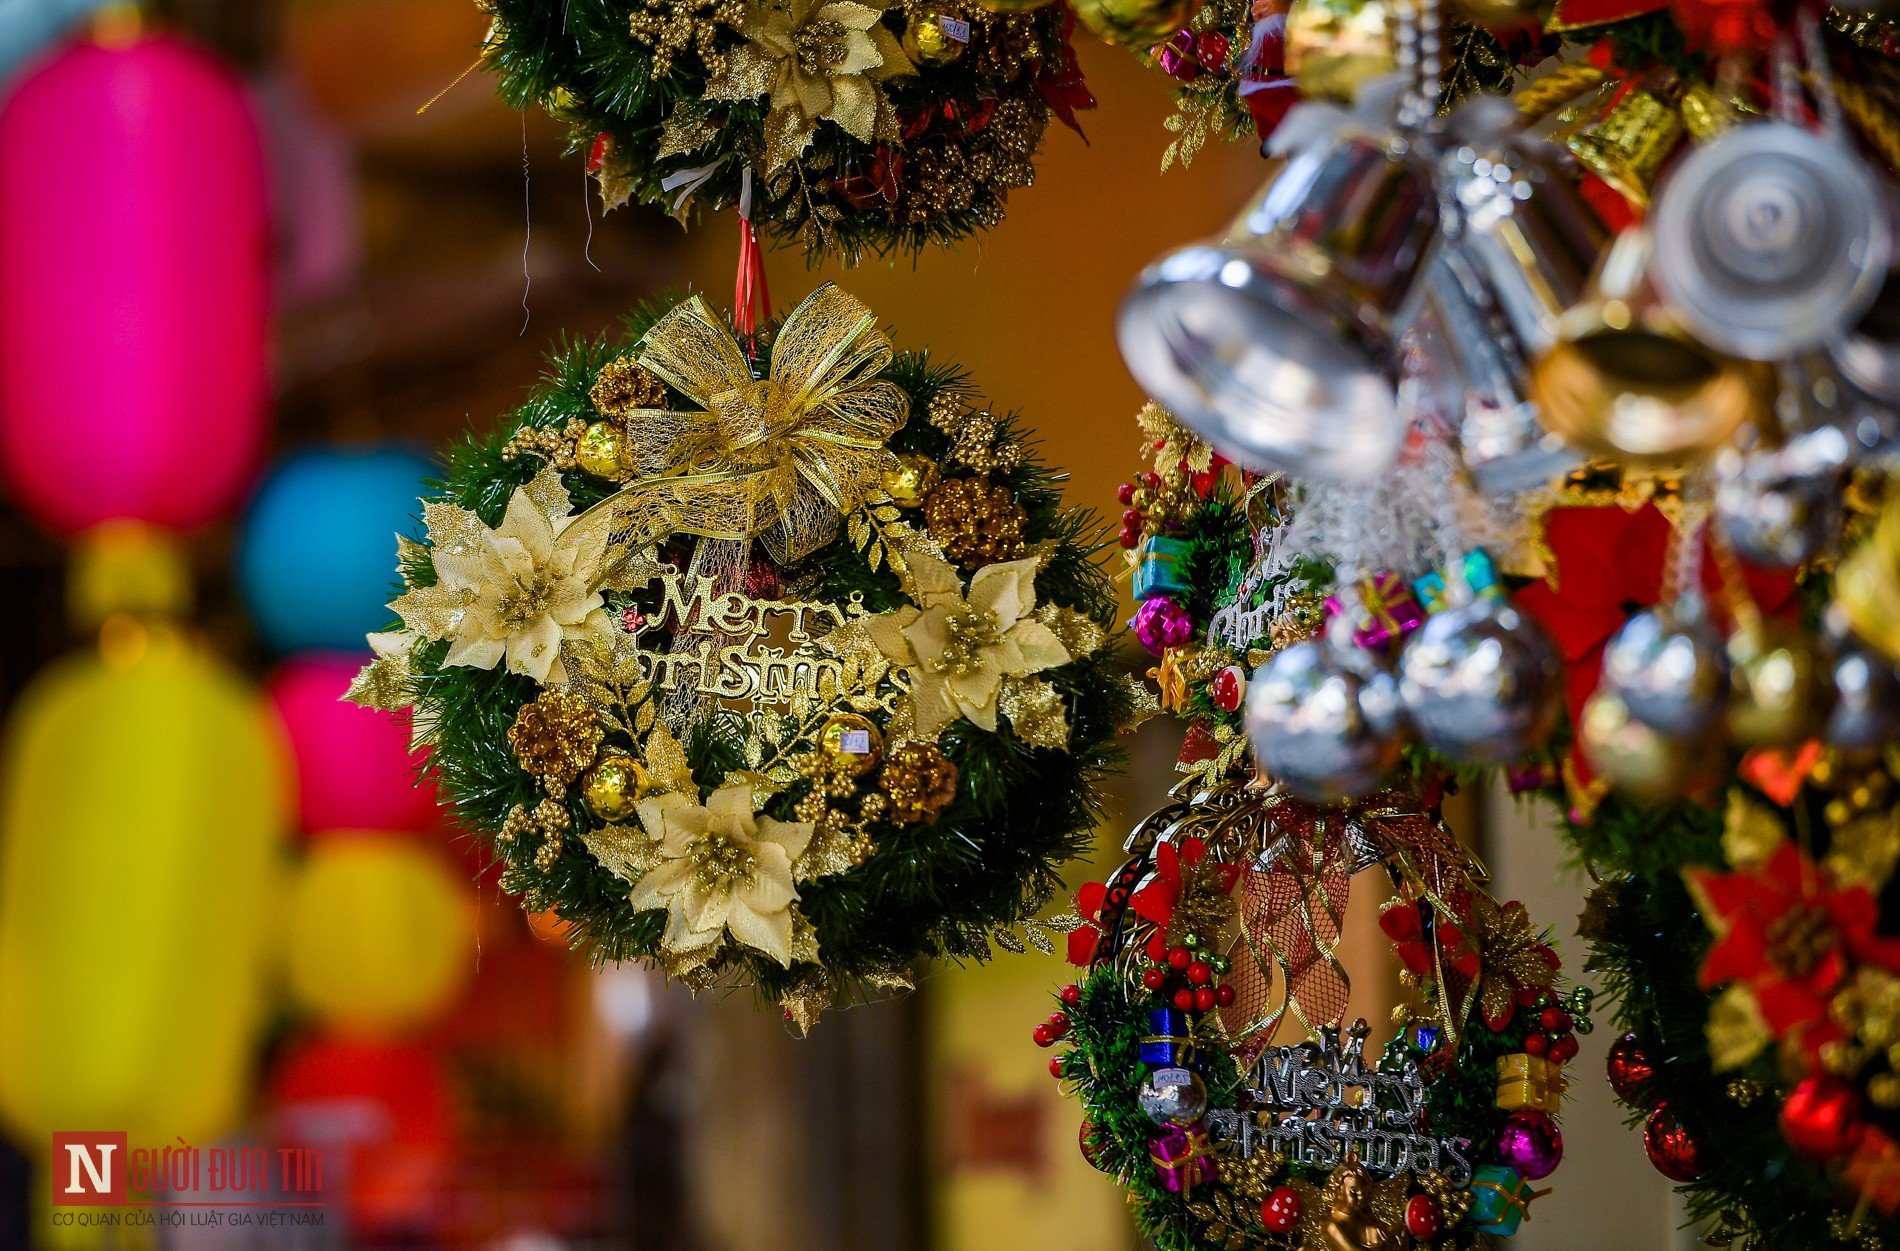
1282,1211
1224,995
1200,973
1728,27
1059,1024
1184,999
1129,537
1423,1217
1632,1072
1044,1036
1055,1066
1821,1117
1092,1146
1536,1045
1204,999
1125,494
1564,1050
1671,1147
1154,977
1210,49
1555,1021
1180,958
1227,688
1071,994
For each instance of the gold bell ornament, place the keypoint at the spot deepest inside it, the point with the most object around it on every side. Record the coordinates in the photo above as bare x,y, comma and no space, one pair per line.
1333,47
1625,380
1627,146
1867,584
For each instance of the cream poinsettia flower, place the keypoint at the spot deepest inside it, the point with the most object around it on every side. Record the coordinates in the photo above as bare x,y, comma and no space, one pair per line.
723,868
512,593
959,648
817,60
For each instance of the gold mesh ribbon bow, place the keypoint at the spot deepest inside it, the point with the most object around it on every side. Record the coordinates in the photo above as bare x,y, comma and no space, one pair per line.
782,458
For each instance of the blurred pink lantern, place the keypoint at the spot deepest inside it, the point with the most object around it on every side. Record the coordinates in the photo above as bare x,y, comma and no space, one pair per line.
354,767
133,287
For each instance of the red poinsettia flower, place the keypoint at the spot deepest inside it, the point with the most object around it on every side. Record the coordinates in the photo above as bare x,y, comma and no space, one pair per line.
1060,82
1789,934
1874,1169
1608,566
1086,937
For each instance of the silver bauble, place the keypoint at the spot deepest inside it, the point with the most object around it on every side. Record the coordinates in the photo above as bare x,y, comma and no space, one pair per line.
1638,760
1481,682
1777,507
1866,699
1316,724
1669,668
1173,1096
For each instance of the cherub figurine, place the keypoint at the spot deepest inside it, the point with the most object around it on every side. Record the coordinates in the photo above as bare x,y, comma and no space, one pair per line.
1350,1223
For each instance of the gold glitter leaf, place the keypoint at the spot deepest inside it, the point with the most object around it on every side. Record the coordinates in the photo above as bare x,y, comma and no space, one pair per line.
1735,1029
1035,711
687,128
627,851
1750,832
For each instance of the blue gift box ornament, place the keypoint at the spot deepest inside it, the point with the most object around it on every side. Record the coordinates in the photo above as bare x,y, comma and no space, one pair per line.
1167,1041
1500,1199
1158,568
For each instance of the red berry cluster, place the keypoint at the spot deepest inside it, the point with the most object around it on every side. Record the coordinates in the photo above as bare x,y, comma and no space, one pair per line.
1056,1028
1135,498
1556,1038
1186,980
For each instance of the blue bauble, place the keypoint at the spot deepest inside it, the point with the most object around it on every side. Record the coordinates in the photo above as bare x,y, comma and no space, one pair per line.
316,562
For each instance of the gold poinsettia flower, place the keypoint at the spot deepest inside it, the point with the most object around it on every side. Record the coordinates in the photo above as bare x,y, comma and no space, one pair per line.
960,648
818,60
723,868
513,592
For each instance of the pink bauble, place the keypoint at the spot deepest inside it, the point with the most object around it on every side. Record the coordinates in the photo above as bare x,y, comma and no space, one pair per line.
1529,1142
133,287
353,766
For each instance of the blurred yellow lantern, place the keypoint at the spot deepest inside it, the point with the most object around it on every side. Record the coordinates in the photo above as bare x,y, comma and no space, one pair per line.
142,792
382,932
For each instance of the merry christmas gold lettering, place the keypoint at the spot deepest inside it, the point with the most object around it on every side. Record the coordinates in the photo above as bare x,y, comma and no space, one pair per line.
724,644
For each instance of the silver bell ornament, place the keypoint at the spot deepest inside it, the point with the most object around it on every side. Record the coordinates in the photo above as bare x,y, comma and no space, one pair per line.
1504,446
1777,507
1770,240
1778,692
1172,1096
1482,682
1866,711
1669,668
1319,727
1278,342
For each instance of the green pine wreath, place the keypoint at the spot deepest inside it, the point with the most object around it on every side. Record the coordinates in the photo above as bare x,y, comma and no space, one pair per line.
862,127
945,835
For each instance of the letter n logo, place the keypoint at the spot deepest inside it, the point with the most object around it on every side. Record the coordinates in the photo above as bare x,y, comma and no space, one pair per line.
88,1170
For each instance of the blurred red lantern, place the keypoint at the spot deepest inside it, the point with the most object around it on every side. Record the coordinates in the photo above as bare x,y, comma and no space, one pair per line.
133,287
354,767
383,1115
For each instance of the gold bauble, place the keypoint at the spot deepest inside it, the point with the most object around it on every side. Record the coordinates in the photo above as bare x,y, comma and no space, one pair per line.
1333,47
563,105
598,451
911,481
1013,6
1135,23
852,743
1777,692
613,786
1637,760
931,36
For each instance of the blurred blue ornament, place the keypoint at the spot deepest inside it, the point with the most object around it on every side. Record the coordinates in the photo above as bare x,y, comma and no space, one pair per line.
316,562
1427,1037
26,26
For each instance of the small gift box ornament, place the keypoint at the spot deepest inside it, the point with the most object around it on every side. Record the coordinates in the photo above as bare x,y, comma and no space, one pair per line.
1158,568
1500,1199
1528,1081
1478,572
1167,1043
1181,1157
1389,611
